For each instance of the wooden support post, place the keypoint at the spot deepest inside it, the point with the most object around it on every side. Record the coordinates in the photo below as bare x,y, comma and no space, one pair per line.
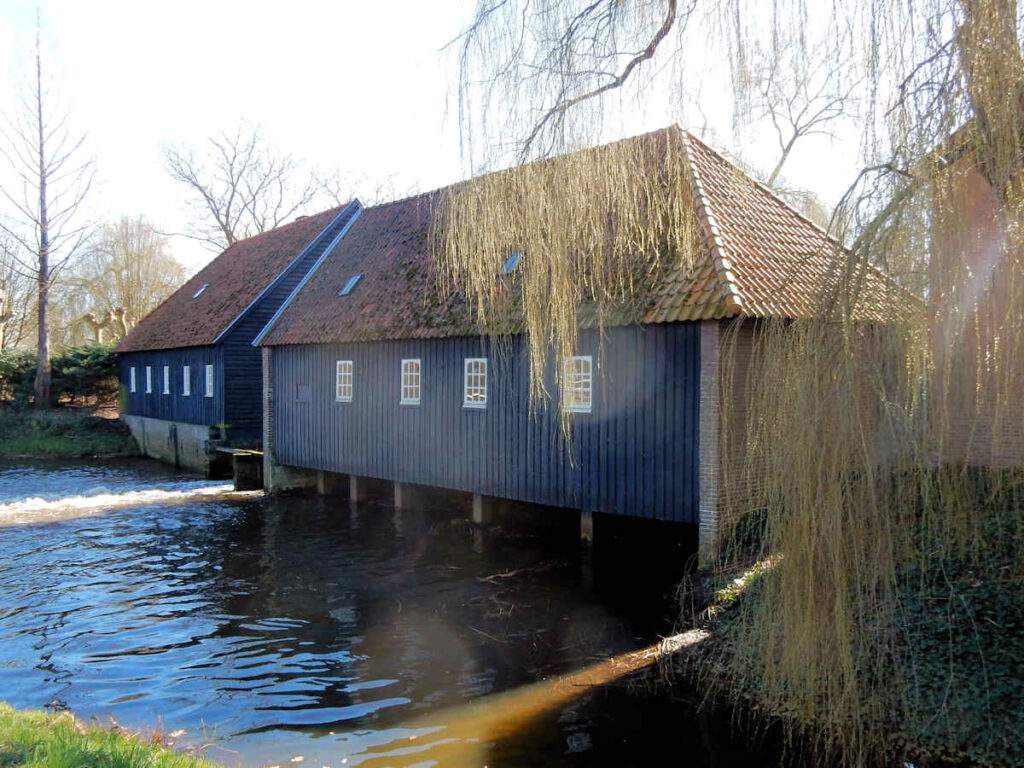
586,527
329,483
407,496
356,488
485,509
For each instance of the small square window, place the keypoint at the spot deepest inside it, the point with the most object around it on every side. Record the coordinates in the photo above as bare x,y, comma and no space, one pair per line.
149,379
167,379
131,379
343,381
411,382
578,384
209,381
475,390
186,380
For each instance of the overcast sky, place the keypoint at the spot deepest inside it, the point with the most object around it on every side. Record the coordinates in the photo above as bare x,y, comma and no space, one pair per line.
363,87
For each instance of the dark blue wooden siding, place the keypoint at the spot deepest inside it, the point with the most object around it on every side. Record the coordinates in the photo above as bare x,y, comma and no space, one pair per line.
238,367
194,409
634,454
242,367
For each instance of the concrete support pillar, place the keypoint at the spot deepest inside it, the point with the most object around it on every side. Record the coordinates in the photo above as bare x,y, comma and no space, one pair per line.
247,472
485,509
709,449
408,496
356,488
330,483
586,527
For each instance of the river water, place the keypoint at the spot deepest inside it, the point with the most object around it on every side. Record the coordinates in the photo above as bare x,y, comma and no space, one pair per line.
271,629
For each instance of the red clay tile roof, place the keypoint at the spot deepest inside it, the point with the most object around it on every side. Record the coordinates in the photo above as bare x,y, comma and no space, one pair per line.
397,296
235,278
761,259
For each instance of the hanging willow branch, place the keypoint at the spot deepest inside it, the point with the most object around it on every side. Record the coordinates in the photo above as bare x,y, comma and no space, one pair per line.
874,470
595,230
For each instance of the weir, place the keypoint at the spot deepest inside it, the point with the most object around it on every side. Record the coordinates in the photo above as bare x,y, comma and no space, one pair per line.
36,509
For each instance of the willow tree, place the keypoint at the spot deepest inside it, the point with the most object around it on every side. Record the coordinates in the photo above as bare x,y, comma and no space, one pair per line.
881,464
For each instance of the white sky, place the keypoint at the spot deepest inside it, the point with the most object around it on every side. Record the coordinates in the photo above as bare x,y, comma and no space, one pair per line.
360,86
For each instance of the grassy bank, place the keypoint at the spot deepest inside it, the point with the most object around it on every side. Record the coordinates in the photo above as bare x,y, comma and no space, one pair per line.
43,740
62,433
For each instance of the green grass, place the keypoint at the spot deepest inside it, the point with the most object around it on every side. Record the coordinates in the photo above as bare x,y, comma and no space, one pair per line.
43,740
61,433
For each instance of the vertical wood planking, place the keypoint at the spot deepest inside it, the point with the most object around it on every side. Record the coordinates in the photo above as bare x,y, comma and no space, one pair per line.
635,453
195,408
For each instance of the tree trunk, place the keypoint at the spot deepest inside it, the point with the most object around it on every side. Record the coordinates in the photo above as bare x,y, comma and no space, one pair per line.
43,394
994,74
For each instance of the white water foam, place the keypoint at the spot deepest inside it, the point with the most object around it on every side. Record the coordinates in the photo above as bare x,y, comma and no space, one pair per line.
100,499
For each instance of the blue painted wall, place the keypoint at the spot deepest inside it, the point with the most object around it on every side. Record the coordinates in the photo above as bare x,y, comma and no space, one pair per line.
635,453
243,369
238,380
196,408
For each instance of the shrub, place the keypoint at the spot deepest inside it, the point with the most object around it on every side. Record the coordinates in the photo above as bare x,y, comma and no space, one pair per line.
87,372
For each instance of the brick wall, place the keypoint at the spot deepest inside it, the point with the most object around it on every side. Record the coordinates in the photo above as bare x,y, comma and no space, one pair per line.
976,324
708,472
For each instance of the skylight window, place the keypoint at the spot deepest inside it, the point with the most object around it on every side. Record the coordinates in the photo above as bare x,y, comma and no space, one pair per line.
511,262
202,288
352,281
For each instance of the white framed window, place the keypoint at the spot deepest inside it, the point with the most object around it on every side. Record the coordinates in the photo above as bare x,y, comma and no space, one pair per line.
411,379
209,381
167,379
475,383
131,379
149,379
186,380
343,381
578,383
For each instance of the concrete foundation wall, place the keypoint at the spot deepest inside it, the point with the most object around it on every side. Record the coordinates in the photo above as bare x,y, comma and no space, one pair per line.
183,445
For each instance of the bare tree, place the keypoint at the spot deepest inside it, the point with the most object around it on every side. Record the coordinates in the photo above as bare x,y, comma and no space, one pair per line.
51,180
123,276
240,186
9,280
801,93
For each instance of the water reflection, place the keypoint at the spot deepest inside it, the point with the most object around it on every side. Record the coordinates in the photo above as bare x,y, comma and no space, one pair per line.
273,628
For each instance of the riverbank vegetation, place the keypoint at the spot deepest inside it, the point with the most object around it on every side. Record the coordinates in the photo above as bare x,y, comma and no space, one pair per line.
82,375
33,739
63,433
83,424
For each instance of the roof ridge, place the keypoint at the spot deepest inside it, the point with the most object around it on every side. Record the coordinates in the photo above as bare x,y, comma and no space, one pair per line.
518,166
720,259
